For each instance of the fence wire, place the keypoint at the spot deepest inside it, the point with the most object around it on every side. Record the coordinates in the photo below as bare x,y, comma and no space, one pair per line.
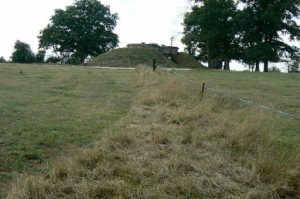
244,101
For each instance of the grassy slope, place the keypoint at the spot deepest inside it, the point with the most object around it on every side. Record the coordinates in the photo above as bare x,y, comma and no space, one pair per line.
172,144
130,57
281,91
45,111
187,61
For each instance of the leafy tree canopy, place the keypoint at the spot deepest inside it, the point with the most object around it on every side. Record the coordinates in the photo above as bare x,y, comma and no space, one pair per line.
53,60
22,53
210,30
84,29
294,65
264,23
252,32
40,56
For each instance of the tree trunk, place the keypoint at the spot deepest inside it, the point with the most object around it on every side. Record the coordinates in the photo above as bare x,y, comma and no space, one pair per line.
227,64
257,66
209,59
266,66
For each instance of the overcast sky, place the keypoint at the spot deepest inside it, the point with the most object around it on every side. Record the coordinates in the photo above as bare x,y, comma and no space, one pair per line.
152,21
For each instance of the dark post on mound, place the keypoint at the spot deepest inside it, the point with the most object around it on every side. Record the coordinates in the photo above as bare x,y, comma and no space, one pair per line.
154,64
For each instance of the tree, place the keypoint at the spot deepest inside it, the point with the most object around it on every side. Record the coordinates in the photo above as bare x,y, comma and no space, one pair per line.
22,53
2,60
40,56
53,60
275,69
210,31
84,29
251,52
265,21
294,65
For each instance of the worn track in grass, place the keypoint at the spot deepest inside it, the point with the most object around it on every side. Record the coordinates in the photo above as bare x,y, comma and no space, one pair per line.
172,145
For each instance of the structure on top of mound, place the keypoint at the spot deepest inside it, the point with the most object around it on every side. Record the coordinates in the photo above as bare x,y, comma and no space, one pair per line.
168,51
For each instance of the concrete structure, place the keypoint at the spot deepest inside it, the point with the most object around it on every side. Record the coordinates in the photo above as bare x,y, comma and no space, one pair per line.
168,51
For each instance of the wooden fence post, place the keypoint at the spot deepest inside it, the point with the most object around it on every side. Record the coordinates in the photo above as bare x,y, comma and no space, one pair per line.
203,88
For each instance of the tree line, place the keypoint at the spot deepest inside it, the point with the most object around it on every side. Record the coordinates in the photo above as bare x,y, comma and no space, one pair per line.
250,31
215,31
83,30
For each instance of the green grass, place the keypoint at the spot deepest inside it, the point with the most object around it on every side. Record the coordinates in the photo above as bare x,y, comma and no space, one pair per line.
130,57
172,144
48,110
281,91
187,61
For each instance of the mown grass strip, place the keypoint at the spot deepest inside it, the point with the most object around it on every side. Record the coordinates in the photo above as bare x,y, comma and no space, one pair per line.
46,111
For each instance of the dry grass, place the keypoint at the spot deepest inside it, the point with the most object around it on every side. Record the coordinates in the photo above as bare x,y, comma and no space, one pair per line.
173,145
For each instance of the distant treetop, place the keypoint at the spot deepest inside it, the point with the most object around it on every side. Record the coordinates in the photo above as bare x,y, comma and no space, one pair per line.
82,30
22,53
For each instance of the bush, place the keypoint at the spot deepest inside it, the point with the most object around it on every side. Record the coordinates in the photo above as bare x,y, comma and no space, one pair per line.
40,56
22,53
275,69
294,65
53,60
2,60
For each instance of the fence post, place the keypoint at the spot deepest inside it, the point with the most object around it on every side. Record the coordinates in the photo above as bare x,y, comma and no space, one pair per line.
203,88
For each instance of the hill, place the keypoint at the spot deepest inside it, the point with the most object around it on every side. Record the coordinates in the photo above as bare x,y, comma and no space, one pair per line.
130,57
187,61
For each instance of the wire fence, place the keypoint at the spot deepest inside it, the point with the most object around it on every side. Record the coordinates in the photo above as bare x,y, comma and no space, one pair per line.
220,92
242,100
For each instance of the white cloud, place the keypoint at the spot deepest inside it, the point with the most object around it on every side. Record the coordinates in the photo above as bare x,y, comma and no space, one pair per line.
140,20
23,20
148,21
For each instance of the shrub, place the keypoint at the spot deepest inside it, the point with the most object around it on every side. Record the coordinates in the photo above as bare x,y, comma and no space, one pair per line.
2,60
22,53
53,60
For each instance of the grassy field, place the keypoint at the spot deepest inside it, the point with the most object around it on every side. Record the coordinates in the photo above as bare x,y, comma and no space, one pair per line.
282,91
46,111
161,140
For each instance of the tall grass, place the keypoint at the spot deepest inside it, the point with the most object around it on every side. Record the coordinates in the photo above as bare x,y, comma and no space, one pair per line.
174,145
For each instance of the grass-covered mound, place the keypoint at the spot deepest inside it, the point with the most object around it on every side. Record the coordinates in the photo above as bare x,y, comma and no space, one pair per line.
130,57
187,61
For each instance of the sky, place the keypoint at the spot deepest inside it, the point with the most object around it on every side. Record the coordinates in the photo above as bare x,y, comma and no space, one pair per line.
154,21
